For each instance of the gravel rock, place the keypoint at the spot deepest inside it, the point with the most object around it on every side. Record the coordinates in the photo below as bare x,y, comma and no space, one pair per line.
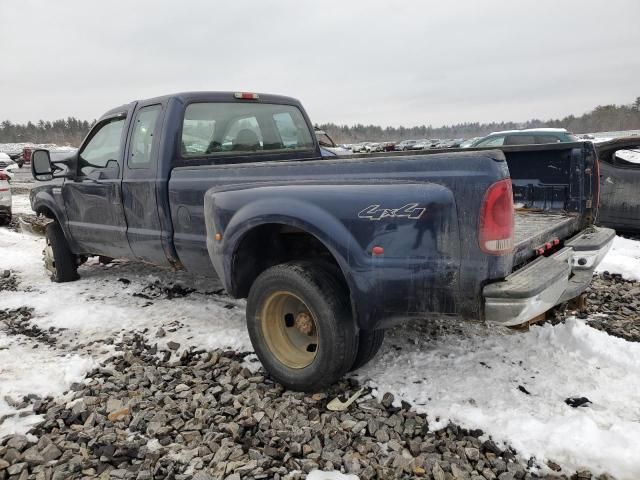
613,305
204,416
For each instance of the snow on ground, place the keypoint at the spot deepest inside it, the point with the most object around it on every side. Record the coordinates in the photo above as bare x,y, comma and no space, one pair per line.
318,475
20,205
473,378
623,258
96,308
462,372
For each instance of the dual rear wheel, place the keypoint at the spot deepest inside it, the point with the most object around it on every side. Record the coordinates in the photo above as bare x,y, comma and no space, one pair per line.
301,327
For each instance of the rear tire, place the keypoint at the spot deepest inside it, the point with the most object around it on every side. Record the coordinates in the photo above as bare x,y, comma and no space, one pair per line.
5,220
300,324
369,342
61,264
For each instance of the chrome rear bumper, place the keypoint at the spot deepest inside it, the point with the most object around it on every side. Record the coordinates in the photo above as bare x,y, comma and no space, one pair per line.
547,281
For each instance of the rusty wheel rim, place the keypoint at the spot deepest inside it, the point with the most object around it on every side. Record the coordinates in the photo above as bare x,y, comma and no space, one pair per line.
290,330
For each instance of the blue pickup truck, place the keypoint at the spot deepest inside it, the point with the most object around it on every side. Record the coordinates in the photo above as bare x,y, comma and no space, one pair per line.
328,252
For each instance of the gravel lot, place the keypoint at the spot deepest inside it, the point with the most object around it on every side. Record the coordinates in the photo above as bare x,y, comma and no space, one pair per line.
157,405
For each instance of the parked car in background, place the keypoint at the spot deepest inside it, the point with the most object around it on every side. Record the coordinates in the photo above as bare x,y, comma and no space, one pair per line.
529,136
450,143
5,199
358,147
387,146
25,158
404,145
373,147
421,144
5,161
469,142
7,166
328,147
620,184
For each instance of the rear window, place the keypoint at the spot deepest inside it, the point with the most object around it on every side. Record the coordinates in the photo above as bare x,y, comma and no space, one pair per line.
213,129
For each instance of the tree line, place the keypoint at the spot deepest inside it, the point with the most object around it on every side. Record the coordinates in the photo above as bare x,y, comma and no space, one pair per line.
69,131
603,118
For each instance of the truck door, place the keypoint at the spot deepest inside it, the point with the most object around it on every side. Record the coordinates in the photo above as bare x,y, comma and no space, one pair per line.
93,199
141,184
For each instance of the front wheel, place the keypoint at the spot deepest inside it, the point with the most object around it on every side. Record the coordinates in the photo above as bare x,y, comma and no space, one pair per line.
300,325
59,261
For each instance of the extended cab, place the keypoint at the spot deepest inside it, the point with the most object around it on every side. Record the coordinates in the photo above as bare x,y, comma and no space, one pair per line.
328,251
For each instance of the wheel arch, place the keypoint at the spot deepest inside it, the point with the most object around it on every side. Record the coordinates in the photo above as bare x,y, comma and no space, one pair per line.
272,243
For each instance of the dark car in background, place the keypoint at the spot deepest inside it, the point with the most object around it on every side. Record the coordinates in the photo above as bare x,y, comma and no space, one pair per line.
530,136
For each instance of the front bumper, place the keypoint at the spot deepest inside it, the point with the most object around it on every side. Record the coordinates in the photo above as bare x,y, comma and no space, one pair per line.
547,281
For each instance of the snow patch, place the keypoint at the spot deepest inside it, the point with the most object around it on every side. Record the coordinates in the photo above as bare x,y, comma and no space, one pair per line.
623,258
96,308
472,378
320,475
42,371
21,205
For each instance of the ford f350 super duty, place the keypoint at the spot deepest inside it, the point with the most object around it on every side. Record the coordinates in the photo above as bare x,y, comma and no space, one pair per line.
328,252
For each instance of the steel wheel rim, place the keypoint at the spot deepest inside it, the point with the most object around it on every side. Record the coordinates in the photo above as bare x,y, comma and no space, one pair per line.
290,330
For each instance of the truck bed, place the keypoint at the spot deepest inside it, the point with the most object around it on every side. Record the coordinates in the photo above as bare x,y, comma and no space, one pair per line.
534,228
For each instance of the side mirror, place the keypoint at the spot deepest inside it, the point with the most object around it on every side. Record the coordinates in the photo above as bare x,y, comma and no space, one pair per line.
41,168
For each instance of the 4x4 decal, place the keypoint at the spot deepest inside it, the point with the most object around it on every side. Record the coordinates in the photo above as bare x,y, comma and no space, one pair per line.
410,210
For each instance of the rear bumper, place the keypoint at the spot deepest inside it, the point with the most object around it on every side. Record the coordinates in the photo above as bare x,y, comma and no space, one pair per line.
547,281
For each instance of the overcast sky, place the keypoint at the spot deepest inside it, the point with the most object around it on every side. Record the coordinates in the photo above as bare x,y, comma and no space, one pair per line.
380,62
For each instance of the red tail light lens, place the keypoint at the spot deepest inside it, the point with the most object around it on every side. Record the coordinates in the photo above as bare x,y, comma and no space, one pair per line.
497,219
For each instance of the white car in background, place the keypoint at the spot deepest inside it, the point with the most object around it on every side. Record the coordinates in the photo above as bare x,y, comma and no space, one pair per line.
5,198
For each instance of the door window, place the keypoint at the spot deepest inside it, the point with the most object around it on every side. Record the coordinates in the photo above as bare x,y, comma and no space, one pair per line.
144,127
104,148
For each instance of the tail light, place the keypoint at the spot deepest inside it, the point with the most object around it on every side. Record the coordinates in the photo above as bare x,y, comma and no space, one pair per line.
26,154
497,219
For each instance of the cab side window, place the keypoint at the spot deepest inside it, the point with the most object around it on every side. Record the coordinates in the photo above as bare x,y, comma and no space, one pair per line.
144,126
104,148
